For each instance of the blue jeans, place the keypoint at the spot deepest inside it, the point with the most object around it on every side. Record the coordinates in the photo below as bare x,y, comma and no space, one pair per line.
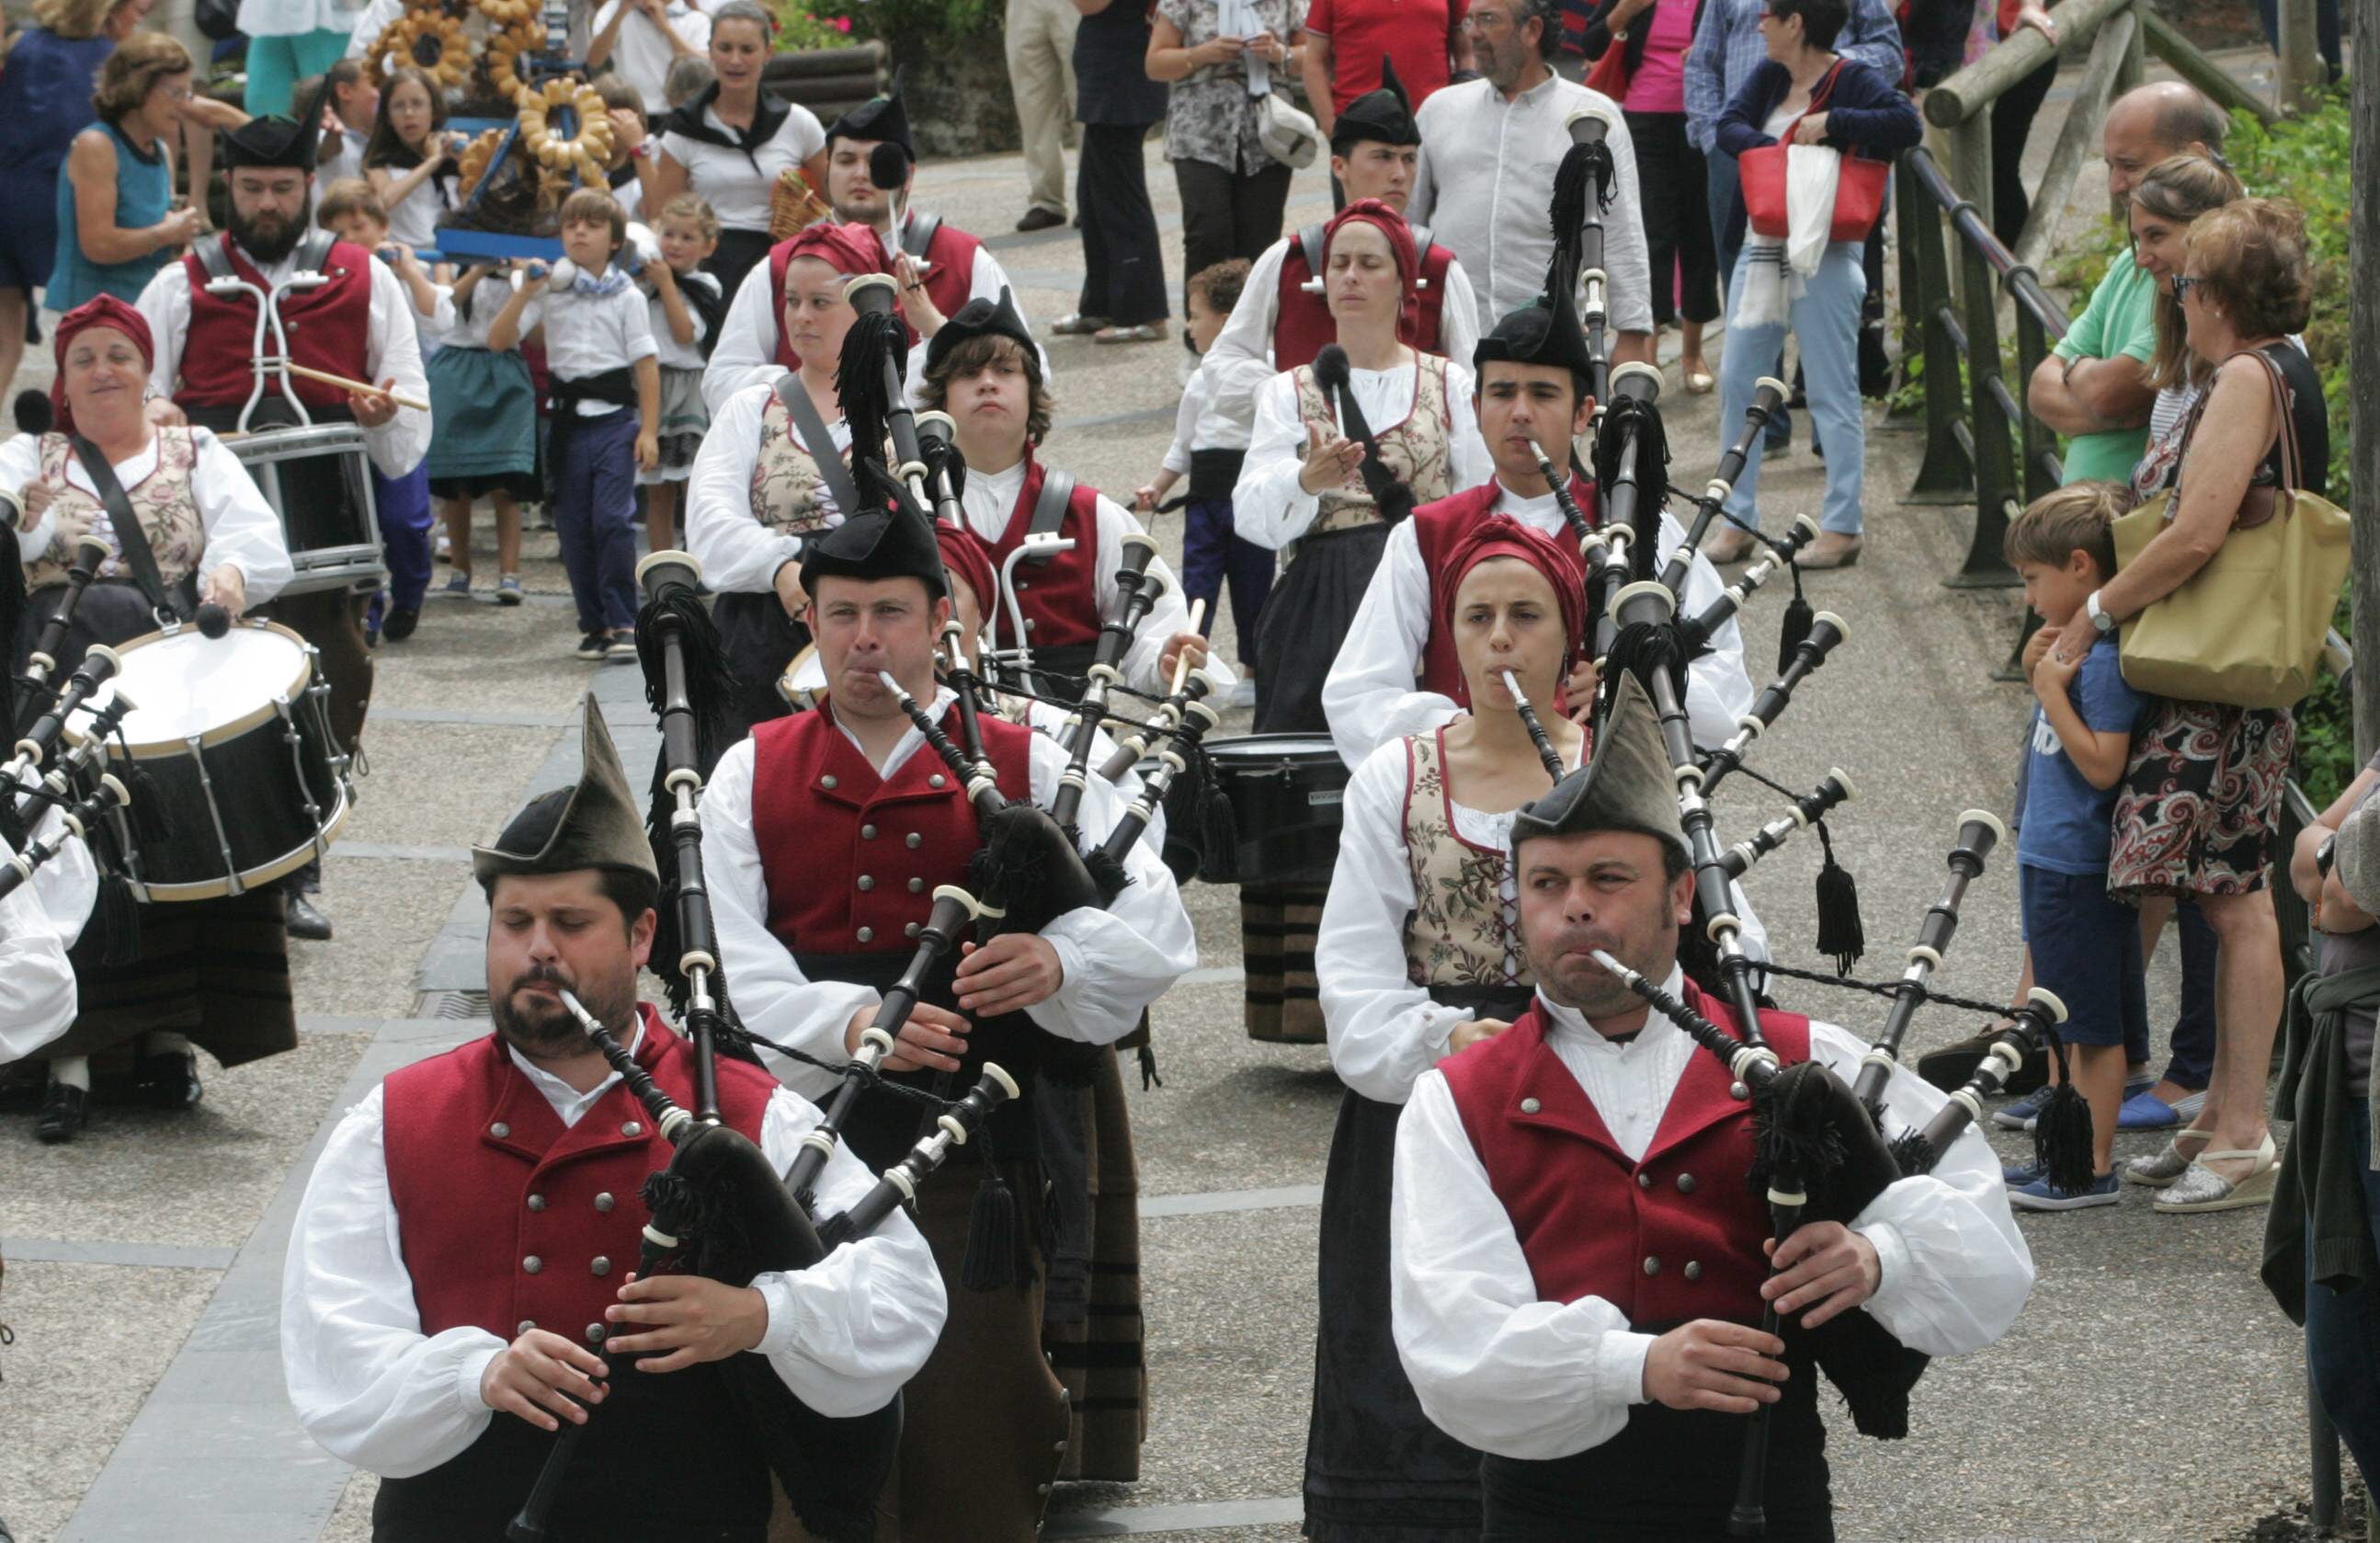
1724,187
595,518
2342,1329
1826,323
1211,556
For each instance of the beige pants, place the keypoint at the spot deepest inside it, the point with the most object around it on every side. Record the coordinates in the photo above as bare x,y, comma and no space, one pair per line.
1041,36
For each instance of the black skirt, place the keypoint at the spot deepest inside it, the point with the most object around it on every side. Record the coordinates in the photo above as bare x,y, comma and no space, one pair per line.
1306,618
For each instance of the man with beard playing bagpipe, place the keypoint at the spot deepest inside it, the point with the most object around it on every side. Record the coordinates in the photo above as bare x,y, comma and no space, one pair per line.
468,1242
825,837
1605,1368
355,325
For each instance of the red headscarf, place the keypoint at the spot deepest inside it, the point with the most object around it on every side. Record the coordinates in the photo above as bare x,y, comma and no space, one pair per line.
104,310
963,555
1502,536
1390,223
850,249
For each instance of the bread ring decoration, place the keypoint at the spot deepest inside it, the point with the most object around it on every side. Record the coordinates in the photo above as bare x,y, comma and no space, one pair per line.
429,40
585,152
478,156
505,49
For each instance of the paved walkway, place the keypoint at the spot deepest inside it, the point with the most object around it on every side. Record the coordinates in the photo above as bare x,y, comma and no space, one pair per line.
2149,1391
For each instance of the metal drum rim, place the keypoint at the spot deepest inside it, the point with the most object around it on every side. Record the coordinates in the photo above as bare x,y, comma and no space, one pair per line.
252,878
165,749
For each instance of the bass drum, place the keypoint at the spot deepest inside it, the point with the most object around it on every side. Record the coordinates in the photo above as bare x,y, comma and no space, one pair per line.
235,779
1284,791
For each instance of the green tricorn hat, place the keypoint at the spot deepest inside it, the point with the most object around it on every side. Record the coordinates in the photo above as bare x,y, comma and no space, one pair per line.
1628,785
595,822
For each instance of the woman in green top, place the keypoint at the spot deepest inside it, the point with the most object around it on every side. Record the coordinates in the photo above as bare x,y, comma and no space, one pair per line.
116,226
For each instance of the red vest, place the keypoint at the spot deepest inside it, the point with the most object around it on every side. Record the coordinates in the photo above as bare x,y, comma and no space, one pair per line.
853,858
1302,322
506,1219
1672,1237
1437,527
329,328
1061,597
949,282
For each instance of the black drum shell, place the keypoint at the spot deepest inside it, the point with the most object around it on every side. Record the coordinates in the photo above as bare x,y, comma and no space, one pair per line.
1285,791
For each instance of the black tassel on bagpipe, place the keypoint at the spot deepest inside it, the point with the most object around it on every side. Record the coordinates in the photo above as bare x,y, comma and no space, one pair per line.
875,353
1793,628
1841,937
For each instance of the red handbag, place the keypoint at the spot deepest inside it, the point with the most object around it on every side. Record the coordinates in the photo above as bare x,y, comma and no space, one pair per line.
1610,75
1858,189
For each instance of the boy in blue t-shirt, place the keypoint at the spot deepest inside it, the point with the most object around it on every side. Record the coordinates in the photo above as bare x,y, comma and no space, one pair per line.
2085,947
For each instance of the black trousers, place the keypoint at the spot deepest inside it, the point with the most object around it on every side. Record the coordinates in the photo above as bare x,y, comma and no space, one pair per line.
1123,264
1227,214
1670,181
2012,118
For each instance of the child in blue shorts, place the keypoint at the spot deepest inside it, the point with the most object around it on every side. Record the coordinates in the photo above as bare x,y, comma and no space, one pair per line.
2085,947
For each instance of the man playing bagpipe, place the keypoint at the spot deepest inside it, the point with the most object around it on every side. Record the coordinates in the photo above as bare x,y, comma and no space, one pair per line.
1577,1259
464,1259
825,837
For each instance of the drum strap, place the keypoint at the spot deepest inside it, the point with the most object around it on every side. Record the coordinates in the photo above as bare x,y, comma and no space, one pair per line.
818,440
131,541
1050,509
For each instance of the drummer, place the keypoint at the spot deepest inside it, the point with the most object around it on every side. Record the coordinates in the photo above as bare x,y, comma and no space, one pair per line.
1301,490
212,973
1419,957
356,325
772,472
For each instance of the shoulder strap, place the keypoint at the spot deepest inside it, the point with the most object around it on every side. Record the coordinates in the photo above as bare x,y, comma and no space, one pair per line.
1050,509
215,256
1421,239
313,250
1309,241
924,225
818,440
2284,425
130,540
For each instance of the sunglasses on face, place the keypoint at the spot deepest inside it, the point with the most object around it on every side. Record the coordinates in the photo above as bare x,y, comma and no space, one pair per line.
2184,283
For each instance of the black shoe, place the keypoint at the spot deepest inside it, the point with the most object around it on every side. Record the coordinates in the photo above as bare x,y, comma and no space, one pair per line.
34,413
168,1081
305,922
592,646
1038,218
64,1108
1949,1067
399,625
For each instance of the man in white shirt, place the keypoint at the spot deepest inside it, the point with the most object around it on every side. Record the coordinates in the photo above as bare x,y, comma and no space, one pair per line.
1489,149
1576,1249
641,39
941,267
469,1239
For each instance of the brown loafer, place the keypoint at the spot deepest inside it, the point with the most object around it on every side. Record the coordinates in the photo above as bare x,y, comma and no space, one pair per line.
1729,545
1831,550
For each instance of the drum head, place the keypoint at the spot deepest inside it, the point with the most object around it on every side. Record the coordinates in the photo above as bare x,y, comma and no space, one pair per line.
1271,749
185,685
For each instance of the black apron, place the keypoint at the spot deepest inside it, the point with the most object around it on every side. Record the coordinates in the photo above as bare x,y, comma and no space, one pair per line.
1377,1470
759,641
1307,616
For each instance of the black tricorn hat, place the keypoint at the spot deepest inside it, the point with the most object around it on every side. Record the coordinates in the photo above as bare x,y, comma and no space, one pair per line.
595,822
276,141
1384,114
883,117
1628,785
881,543
983,318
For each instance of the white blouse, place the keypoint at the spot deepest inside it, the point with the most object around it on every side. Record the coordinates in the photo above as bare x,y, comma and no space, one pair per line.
1498,1368
738,185
365,1381
1270,509
738,552
242,528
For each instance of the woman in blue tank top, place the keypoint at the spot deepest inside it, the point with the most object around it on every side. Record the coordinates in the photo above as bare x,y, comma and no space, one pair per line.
117,223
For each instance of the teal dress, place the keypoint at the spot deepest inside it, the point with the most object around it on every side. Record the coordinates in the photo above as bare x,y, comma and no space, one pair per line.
145,191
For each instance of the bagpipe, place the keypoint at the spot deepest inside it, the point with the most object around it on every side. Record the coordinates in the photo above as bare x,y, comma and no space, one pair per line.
1547,754
1138,589
1581,199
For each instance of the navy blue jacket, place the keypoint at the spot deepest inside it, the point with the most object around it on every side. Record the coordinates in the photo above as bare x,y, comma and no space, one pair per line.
1866,113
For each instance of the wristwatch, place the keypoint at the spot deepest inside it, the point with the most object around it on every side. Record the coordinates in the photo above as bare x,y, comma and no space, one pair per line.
2100,620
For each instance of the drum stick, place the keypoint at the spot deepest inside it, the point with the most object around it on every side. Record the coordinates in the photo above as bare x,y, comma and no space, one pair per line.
1181,660
416,403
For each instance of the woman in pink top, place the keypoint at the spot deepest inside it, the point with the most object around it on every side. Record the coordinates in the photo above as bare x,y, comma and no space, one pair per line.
1655,34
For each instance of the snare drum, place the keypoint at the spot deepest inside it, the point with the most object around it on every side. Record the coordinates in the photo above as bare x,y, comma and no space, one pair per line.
1285,791
319,481
230,747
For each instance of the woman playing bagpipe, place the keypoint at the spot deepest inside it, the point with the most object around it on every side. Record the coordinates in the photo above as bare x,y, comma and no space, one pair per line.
207,974
1576,1255
773,474
825,835
1419,956
469,1239
1343,450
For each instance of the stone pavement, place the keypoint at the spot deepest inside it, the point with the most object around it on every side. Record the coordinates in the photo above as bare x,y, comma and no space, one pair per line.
2150,1389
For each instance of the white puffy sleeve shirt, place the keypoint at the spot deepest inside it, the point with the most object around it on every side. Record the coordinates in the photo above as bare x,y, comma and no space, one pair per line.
1115,961
374,1390
1270,509
38,921
392,351
738,552
242,530
1499,1370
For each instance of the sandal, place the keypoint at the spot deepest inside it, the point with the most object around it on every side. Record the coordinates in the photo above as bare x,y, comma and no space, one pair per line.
1699,383
2163,1168
1076,324
2200,1188
1148,332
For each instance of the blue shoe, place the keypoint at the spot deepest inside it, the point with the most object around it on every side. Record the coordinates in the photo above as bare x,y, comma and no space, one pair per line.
2018,1175
2040,1195
2023,1114
2144,1110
